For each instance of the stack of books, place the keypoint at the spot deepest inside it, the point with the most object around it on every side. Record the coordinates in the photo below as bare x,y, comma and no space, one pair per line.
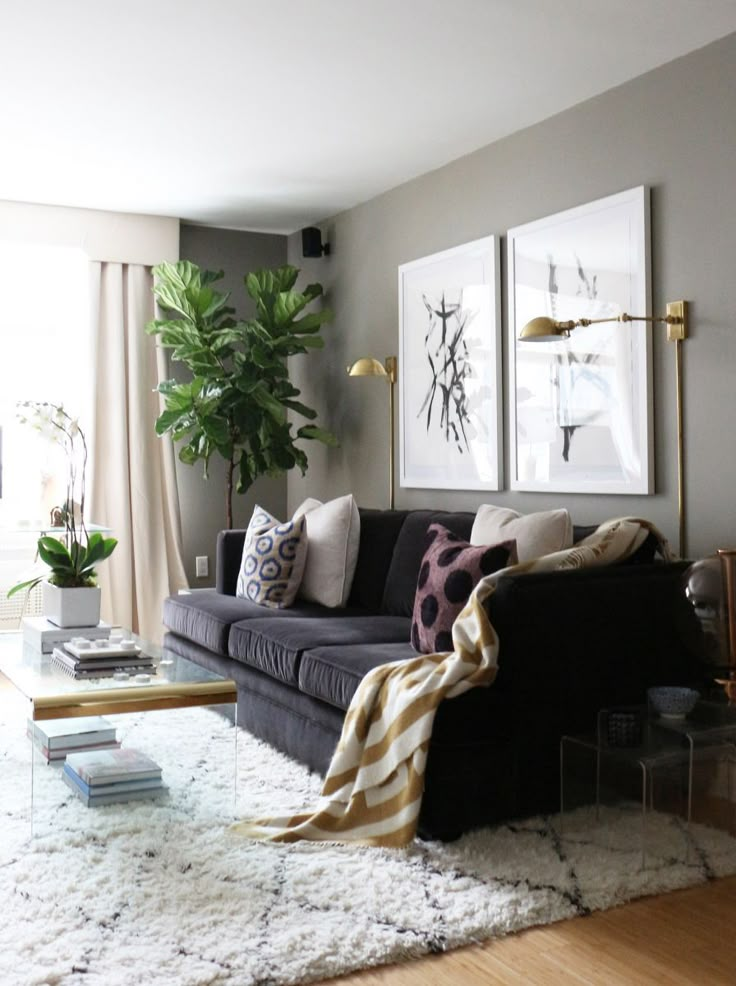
55,738
83,658
43,635
106,776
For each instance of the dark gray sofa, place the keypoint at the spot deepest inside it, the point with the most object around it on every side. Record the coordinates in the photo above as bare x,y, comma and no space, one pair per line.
570,644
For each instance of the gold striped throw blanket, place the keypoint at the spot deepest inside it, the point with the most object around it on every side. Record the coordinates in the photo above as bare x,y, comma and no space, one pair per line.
373,789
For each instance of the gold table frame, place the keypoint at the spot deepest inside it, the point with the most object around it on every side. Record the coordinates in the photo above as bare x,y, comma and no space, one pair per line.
140,698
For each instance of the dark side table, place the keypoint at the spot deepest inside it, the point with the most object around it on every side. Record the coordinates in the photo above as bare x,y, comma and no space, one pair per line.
659,745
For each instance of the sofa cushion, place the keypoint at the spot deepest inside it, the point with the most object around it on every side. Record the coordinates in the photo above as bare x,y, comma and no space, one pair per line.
450,570
333,536
273,560
275,646
379,530
535,534
205,616
401,580
333,674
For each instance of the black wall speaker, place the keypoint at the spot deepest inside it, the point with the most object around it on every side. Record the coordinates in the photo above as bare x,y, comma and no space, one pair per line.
312,245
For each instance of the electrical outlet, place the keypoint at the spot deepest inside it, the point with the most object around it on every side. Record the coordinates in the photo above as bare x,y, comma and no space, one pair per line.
202,566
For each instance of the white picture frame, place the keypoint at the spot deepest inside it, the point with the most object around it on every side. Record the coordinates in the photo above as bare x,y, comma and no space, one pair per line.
580,409
450,433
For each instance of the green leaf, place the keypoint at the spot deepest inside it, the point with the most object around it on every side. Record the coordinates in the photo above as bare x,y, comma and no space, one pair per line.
318,434
53,552
301,459
168,421
98,549
210,276
245,476
306,412
287,307
173,300
189,454
30,584
217,429
311,322
225,338
313,291
253,286
268,402
285,277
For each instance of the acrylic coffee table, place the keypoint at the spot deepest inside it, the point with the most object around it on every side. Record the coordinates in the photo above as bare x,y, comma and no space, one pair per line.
49,693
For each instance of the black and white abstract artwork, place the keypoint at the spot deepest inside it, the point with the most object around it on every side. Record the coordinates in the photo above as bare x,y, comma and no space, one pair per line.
580,409
449,369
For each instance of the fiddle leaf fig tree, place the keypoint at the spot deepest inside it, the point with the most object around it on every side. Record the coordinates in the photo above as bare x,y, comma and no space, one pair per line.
237,401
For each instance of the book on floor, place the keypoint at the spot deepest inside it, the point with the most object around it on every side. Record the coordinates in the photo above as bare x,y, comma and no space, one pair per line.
108,766
93,800
119,787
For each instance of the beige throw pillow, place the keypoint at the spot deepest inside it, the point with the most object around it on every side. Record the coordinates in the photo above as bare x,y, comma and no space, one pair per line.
535,534
333,535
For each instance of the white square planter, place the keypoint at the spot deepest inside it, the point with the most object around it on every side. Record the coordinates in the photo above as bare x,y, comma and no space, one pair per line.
71,607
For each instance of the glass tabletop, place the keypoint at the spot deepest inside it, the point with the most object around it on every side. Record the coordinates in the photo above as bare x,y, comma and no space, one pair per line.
35,675
709,722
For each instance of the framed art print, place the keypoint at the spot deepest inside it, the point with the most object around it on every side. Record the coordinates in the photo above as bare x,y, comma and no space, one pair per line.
449,369
580,409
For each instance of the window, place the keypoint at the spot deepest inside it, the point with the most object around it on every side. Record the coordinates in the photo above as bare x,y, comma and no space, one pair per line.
46,354
45,342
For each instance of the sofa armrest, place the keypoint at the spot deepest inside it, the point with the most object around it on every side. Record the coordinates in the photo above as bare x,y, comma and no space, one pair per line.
575,641
229,555
572,643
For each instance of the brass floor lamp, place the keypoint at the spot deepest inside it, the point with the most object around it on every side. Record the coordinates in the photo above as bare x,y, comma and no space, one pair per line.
368,367
543,329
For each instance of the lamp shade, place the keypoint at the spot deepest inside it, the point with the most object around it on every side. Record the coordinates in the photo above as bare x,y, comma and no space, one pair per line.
543,329
367,367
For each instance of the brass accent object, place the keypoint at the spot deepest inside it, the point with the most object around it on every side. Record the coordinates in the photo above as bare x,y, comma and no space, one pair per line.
727,557
366,366
544,329
141,698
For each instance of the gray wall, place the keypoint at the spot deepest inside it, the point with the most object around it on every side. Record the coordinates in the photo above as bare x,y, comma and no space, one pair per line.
674,130
203,501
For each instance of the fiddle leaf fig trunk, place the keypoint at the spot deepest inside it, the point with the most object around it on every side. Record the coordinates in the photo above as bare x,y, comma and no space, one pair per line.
237,401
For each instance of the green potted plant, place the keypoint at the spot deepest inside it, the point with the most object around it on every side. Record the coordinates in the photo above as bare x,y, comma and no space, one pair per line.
71,597
237,402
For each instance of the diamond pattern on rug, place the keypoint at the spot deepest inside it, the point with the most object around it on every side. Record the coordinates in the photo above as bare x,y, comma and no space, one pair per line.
163,893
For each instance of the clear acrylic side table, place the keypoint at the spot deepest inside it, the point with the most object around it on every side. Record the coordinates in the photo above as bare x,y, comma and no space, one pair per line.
667,751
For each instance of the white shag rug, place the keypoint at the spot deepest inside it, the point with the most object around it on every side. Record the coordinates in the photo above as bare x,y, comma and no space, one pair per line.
162,894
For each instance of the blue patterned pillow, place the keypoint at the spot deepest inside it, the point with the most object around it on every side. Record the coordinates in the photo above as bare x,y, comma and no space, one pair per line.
273,560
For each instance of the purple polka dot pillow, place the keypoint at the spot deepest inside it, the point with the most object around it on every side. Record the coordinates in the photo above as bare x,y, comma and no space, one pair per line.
450,570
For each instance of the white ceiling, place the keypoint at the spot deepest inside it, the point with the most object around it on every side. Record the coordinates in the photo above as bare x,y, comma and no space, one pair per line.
271,115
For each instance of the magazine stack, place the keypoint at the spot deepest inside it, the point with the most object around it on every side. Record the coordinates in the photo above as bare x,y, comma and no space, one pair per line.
83,658
105,776
55,738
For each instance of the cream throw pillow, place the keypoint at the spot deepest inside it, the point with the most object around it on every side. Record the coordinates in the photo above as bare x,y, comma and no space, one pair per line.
333,535
535,534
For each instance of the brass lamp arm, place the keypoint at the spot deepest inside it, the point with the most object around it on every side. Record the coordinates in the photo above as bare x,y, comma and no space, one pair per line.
546,329
623,317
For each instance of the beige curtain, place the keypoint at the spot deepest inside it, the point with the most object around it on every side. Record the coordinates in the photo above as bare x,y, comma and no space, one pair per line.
133,488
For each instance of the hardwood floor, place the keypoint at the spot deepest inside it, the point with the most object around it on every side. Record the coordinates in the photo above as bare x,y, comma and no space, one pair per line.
679,939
